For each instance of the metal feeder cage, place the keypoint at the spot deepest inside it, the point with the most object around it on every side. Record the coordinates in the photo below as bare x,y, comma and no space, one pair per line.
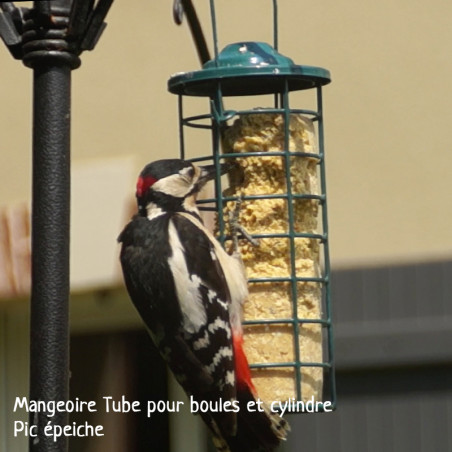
250,69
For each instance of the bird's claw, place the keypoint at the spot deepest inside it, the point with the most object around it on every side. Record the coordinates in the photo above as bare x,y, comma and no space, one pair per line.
236,227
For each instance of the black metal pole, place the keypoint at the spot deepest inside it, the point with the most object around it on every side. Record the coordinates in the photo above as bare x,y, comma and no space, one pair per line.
49,39
49,324
49,360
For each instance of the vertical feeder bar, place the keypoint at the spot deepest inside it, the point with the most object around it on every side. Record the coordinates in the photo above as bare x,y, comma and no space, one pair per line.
326,256
291,232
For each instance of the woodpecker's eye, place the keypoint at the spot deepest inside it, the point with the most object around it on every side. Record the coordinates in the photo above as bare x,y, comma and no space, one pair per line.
187,173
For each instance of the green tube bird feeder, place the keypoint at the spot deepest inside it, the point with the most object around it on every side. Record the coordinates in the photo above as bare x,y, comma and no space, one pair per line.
284,162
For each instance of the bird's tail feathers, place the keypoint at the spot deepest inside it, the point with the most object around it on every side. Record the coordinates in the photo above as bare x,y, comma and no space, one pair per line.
257,431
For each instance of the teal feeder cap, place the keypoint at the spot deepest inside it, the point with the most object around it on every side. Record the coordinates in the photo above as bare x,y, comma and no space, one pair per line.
249,54
248,68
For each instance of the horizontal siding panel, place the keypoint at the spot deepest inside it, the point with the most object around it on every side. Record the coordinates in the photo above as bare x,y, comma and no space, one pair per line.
396,292
393,353
381,411
393,343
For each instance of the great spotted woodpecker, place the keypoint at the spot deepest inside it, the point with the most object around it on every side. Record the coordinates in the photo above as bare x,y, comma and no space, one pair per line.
190,292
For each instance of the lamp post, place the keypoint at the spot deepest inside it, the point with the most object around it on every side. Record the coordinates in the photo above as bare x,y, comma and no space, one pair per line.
48,38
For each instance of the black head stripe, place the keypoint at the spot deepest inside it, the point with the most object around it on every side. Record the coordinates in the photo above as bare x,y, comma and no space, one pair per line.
163,168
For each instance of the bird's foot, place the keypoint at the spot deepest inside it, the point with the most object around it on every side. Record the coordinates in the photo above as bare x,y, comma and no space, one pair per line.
237,229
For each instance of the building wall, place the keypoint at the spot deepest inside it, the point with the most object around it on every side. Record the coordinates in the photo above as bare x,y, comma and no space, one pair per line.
387,111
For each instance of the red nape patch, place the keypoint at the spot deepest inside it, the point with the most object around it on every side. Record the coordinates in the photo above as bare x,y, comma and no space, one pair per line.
144,183
242,368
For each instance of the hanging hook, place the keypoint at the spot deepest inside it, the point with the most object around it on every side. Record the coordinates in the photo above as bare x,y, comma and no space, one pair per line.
178,12
181,7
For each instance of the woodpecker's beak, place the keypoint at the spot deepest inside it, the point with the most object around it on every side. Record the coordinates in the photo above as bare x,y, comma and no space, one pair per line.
209,172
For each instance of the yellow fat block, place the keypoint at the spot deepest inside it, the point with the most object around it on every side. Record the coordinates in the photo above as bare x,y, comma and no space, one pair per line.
265,175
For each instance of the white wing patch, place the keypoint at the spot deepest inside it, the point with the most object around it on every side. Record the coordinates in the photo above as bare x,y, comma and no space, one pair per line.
212,296
220,324
213,255
223,352
230,378
202,342
187,288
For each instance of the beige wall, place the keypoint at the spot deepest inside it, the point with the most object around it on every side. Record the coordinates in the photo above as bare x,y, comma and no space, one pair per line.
387,111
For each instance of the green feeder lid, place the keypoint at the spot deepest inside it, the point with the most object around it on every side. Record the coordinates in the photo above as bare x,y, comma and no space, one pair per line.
248,68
